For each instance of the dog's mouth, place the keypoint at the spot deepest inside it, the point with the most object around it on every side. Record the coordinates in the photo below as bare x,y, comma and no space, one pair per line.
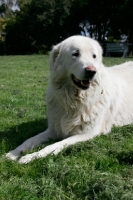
82,84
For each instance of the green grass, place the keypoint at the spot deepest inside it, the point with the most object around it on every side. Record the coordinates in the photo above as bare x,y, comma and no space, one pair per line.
100,169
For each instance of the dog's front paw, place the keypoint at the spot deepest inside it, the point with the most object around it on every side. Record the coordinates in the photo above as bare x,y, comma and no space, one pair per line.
27,158
13,155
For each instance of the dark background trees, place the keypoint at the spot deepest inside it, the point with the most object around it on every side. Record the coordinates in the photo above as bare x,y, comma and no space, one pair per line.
39,24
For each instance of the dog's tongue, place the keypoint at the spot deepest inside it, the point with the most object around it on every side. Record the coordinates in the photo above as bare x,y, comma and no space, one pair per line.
85,83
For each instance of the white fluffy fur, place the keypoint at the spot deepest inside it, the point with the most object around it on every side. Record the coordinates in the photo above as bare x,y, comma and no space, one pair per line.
76,115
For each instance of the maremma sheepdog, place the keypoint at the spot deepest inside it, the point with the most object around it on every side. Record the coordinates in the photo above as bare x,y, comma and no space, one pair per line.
84,98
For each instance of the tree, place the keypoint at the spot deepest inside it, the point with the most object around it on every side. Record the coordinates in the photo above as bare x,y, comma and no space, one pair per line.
37,25
122,20
93,15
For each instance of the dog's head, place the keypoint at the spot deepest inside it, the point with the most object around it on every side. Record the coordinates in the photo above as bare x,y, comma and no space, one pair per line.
76,60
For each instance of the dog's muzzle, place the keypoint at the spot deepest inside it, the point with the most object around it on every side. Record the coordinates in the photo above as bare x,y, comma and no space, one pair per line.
84,84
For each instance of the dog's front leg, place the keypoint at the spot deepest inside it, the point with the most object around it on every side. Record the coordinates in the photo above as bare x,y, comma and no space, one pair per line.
55,148
30,144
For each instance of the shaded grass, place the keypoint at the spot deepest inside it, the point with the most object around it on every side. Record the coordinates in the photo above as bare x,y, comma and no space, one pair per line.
100,169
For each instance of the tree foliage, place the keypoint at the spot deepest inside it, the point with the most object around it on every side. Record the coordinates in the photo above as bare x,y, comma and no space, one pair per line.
39,24
122,19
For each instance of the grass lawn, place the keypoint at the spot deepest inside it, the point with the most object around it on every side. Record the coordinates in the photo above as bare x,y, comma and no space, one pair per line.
100,169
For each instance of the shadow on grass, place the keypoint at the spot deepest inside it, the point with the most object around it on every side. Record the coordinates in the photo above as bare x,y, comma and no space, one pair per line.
111,144
125,157
13,137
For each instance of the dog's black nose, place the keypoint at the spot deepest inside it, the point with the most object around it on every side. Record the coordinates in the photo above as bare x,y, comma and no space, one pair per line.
90,71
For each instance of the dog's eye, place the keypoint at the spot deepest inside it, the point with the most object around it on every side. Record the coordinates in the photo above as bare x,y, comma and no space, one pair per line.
94,55
75,54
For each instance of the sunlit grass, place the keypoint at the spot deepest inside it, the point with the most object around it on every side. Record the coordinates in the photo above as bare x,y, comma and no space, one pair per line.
100,169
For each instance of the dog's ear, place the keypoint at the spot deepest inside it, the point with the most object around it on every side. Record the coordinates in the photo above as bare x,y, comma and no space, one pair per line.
55,52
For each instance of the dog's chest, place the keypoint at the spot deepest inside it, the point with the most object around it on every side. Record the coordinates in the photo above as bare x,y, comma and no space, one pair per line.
67,121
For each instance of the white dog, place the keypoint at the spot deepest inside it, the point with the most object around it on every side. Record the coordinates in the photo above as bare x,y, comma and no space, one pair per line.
84,98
